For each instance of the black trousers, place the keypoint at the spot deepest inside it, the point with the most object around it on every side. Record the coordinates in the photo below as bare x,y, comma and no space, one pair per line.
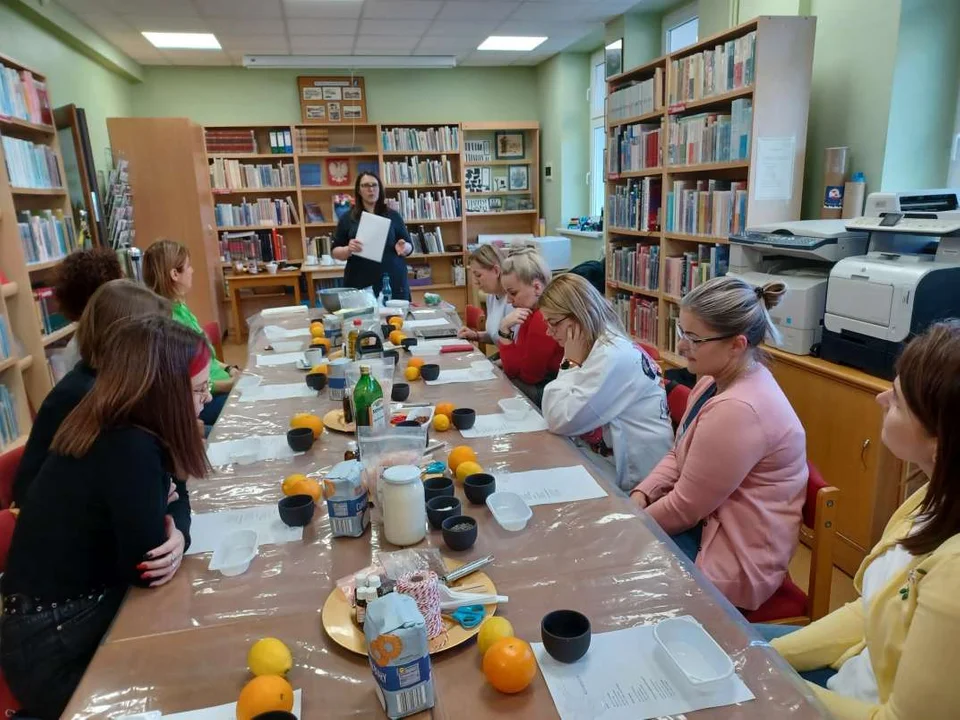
45,654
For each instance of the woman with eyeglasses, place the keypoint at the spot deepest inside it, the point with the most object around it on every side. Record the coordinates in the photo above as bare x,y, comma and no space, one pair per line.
362,272
486,267
731,490
607,387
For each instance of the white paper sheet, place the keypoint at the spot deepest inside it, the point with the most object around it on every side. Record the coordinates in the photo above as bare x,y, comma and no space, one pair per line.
281,391
428,323
773,174
288,358
275,332
247,381
372,232
245,451
228,711
463,375
288,346
625,676
285,310
497,424
552,485
207,529
429,348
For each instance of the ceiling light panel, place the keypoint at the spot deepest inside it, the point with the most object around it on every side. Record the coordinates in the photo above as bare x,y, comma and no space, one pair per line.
511,43
187,41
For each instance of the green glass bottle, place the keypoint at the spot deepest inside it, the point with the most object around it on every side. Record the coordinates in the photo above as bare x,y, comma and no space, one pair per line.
369,408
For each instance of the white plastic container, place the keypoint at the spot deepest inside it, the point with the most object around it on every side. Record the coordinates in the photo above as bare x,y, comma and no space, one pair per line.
399,304
514,408
696,655
402,505
235,552
509,510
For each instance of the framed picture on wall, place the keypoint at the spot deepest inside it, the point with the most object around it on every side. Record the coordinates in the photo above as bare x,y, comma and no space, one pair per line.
613,58
509,145
518,177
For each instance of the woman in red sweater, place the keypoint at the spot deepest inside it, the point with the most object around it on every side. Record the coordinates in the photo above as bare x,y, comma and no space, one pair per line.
532,359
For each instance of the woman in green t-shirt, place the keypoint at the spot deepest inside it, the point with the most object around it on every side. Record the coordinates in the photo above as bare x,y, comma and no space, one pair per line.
168,272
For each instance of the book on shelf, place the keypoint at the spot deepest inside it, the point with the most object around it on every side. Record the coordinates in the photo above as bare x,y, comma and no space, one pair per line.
638,266
706,207
313,213
31,165
46,235
725,68
427,242
440,205
444,138
673,317
312,140
281,142
371,167
636,98
633,147
23,96
477,151
259,245
342,204
234,175
639,316
48,310
711,137
321,244
6,344
692,269
418,172
229,141
635,205
263,211
311,174
9,425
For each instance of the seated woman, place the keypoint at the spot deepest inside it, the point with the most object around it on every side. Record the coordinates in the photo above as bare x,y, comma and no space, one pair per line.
485,266
530,357
78,277
606,382
168,272
731,490
98,506
892,653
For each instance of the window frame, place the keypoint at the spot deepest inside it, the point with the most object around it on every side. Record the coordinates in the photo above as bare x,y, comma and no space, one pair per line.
673,20
596,181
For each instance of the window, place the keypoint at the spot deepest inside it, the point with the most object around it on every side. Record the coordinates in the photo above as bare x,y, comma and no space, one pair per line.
598,135
680,28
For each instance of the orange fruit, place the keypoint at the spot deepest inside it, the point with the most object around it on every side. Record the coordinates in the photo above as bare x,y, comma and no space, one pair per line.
466,469
263,694
397,337
396,322
321,369
291,483
321,342
509,665
308,420
460,454
317,331
441,423
412,373
415,362
309,486
445,408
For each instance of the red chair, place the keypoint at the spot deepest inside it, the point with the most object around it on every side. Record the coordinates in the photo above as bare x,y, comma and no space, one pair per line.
9,462
476,320
789,605
650,350
677,397
212,330
8,703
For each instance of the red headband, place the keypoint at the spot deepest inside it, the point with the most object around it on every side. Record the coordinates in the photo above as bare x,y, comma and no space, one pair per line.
200,359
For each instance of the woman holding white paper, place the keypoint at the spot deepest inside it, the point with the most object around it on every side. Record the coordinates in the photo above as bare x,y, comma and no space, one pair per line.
362,272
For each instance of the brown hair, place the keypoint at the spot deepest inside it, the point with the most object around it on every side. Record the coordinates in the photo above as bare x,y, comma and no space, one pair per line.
144,381
733,307
929,372
487,256
380,208
573,296
158,260
79,276
115,300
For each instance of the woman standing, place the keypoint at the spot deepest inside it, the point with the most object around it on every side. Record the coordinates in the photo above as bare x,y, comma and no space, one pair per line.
99,506
731,490
606,382
485,266
361,272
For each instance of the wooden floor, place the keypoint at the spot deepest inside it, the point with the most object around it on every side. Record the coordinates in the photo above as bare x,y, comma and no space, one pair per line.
841,591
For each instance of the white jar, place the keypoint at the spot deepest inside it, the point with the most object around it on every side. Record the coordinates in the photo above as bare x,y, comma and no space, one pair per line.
402,505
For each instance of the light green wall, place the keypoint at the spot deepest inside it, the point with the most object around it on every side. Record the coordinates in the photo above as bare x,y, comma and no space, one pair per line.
717,15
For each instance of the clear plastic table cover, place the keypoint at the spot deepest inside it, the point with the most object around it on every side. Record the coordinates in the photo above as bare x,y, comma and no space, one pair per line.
184,646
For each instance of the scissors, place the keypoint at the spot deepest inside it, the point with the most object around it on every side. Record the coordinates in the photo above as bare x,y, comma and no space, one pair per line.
468,616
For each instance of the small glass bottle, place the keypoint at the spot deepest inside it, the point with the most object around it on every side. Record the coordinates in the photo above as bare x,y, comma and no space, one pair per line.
374,585
352,453
352,339
363,597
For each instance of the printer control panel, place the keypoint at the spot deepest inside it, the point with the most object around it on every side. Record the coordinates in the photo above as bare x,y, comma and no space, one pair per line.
800,242
902,223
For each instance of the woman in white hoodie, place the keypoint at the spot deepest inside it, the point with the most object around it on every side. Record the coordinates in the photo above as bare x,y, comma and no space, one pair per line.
608,392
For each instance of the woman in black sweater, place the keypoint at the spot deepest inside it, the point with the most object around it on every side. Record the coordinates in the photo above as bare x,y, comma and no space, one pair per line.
360,272
99,505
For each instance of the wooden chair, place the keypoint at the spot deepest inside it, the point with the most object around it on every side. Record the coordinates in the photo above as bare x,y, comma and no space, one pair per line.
212,330
476,320
789,605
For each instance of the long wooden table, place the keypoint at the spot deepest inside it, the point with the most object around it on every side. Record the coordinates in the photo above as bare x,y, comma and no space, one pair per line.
184,646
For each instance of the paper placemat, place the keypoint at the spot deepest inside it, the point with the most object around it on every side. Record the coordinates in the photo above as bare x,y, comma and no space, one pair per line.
552,485
275,332
287,346
285,310
248,450
288,358
463,375
281,391
498,424
208,529
427,323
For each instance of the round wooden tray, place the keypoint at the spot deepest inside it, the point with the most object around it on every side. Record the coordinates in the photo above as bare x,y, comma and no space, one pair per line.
334,421
339,623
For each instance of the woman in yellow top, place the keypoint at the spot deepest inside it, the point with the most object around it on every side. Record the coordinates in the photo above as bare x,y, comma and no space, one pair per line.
893,653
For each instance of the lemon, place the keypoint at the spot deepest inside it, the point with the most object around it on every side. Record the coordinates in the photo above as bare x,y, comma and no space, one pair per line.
412,373
291,483
441,423
269,656
493,629
466,469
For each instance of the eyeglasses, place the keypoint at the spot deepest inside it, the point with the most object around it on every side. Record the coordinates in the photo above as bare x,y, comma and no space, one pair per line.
697,341
554,324
369,186
201,392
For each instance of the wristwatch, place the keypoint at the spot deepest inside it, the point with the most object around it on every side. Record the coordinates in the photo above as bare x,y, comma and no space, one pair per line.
505,335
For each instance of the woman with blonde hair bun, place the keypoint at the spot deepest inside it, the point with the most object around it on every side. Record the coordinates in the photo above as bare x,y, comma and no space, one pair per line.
731,490
607,386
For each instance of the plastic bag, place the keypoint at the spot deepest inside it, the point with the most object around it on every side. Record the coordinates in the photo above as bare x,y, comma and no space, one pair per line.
385,447
398,563
382,369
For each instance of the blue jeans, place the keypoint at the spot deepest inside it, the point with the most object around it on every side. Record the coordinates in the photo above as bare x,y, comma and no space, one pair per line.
689,541
211,411
771,632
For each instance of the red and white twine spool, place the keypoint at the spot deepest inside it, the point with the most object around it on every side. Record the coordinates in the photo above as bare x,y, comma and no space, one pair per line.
424,587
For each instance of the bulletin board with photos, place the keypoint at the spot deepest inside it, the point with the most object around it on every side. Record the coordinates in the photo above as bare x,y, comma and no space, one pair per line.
337,100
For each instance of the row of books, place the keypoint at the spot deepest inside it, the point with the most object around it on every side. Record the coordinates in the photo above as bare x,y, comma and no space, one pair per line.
264,211
725,68
46,235
639,316
31,165
48,310
281,142
688,271
427,242
711,137
312,140
637,265
636,205
426,205
477,151
636,99
229,141
321,244
23,96
673,316
707,207
444,138
9,426
259,245
634,147
418,172
234,175
6,344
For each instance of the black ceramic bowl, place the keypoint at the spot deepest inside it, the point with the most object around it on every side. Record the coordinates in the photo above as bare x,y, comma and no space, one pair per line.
275,715
300,439
459,532
479,487
408,343
385,330
464,418
400,392
395,354
414,423
440,508
437,487
297,510
565,635
316,381
430,372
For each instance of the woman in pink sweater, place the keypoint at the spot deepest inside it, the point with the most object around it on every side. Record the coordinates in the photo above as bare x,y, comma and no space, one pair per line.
730,492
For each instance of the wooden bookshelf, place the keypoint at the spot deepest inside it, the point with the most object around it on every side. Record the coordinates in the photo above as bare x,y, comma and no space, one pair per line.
28,376
780,98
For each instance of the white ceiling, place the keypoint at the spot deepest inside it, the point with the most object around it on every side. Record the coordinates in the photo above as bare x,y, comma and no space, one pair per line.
348,27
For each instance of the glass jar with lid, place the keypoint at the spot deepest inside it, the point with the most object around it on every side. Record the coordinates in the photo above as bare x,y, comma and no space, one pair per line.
403,505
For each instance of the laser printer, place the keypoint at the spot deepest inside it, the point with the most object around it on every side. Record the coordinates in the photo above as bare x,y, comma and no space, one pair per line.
908,279
798,254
